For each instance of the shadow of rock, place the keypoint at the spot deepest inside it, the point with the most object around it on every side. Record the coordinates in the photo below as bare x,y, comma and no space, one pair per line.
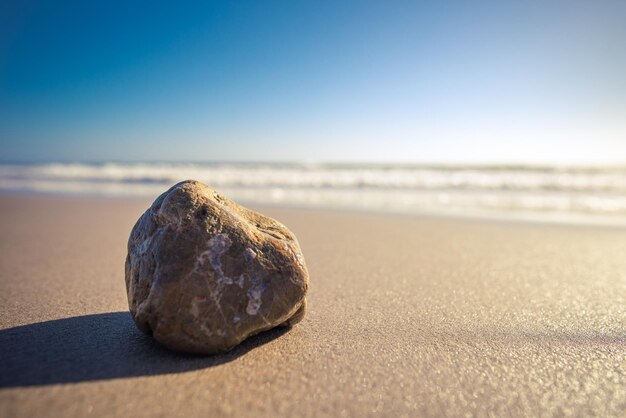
95,347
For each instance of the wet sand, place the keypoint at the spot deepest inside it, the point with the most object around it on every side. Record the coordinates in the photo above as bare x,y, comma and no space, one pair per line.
408,316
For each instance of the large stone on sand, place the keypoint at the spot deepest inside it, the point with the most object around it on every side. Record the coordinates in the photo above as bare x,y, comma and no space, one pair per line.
203,273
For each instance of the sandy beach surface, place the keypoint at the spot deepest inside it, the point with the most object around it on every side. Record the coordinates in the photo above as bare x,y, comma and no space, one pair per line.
408,316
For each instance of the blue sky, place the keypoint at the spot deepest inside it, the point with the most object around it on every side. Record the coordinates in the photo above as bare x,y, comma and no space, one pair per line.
528,81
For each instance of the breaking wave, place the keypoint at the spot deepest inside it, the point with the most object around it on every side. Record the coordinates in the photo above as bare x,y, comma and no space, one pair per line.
520,191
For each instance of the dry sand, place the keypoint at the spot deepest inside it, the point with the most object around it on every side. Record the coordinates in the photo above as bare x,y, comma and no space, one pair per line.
408,317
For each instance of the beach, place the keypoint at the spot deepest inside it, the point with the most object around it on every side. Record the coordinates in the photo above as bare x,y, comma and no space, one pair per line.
408,316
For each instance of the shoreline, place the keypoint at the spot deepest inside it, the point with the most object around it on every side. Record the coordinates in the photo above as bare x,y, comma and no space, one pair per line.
528,218
506,192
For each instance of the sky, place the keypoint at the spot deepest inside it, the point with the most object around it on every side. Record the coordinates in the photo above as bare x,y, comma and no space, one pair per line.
424,82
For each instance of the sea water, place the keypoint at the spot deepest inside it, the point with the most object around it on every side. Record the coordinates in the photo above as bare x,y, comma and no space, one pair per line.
542,193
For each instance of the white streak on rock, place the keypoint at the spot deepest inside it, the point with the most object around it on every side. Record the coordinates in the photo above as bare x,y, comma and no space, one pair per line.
218,245
206,330
249,255
254,300
195,310
143,247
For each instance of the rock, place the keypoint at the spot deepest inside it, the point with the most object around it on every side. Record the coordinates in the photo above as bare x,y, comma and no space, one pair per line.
203,273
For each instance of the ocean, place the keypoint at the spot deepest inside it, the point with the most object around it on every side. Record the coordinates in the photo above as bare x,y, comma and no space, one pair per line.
539,193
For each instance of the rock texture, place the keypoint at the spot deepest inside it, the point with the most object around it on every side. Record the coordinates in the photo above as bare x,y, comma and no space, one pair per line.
203,273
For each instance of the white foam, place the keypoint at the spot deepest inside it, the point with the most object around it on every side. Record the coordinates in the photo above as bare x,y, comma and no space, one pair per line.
328,176
548,193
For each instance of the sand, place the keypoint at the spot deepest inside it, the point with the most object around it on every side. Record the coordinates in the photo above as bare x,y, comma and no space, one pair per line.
408,316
